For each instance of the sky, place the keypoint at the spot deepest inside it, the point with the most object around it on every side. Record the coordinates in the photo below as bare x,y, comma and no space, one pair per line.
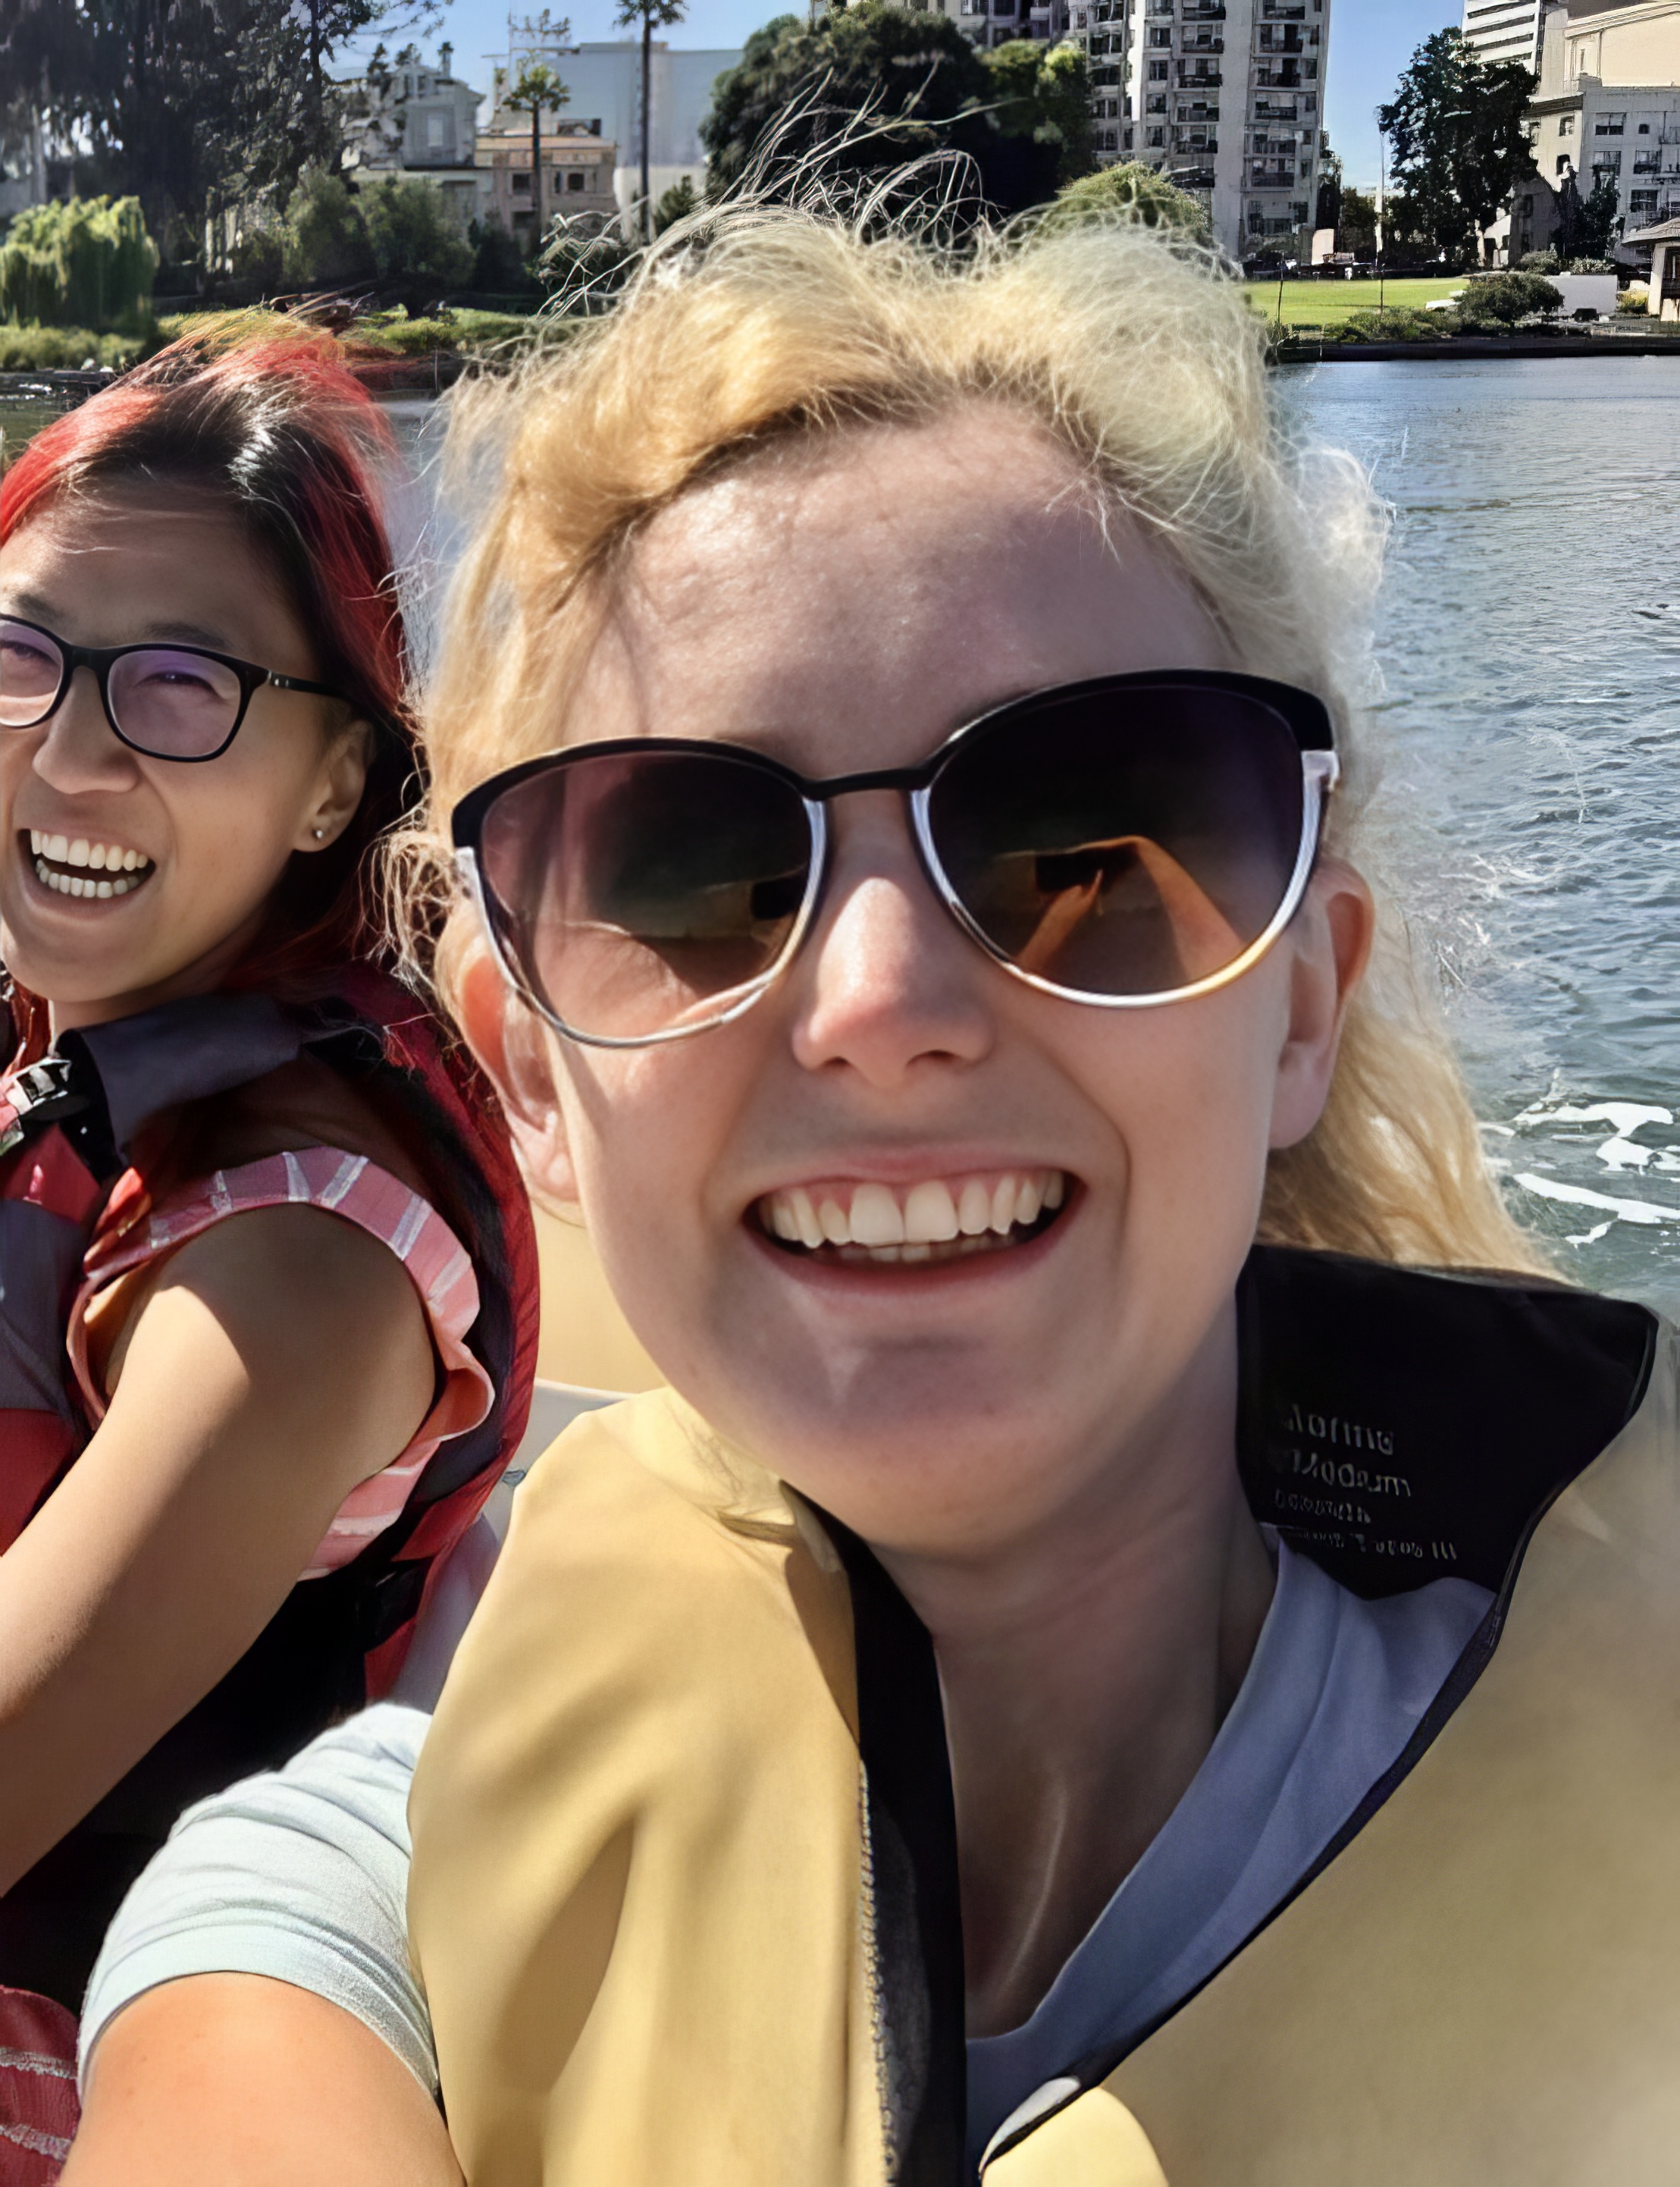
1371,40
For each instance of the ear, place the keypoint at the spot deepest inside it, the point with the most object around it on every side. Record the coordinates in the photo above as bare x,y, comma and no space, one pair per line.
338,787
512,1044
1331,937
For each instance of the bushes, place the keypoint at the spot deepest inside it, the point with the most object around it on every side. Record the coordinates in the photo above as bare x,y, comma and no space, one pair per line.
1398,322
1133,188
66,348
86,263
1499,301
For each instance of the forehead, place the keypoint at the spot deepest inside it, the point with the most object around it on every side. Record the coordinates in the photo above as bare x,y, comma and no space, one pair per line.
105,564
845,603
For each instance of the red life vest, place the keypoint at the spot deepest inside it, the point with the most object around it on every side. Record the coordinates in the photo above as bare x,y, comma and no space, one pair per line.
69,1192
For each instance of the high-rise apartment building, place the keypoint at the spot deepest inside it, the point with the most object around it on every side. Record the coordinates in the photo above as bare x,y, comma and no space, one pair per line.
1225,96
1504,30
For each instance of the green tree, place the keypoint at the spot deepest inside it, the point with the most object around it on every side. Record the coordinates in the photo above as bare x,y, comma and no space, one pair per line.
873,86
88,263
1587,227
647,13
1143,191
1456,124
414,239
1040,105
324,238
536,87
1356,223
190,104
674,204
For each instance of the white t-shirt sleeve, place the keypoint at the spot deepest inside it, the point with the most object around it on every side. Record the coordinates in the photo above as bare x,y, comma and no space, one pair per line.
301,1875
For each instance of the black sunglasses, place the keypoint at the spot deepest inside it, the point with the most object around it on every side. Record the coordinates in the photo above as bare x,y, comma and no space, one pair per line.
180,702
1131,840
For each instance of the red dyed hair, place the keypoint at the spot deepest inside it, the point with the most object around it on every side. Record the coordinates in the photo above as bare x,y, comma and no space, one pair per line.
275,427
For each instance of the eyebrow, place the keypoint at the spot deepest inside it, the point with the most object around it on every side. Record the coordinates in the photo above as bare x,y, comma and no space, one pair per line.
32,608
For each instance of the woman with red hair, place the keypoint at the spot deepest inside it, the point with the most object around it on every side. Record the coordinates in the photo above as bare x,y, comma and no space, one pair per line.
267,1293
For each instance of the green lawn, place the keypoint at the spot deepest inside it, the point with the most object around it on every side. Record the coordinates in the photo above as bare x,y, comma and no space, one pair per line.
1328,303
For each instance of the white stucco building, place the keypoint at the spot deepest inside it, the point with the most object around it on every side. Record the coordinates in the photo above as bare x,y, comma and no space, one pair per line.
605,80
1608,105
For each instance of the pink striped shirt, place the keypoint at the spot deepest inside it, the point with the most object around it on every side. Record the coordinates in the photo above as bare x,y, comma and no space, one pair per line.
361,1192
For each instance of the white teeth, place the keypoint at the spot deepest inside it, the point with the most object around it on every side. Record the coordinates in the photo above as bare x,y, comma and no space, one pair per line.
78,886
875,1219
929,1213
77,853
1004,1204
58,848
874,1227
131,859
973,1209
96,857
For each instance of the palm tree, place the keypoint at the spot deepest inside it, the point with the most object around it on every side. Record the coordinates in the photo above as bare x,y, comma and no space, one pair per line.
648,13
536,87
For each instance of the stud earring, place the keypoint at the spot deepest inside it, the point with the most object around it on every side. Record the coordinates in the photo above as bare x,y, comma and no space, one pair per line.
317,833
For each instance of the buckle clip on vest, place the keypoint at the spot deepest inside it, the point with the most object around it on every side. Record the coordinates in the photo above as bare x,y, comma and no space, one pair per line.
40,1095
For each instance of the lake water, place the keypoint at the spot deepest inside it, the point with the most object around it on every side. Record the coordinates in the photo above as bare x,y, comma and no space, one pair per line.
1530,647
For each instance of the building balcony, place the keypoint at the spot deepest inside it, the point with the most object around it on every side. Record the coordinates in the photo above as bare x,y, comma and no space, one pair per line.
1277,76
1198,78
1262,177
1205,11
1276,110
1286,41
1182,142
1204,42
1283,11
1191,178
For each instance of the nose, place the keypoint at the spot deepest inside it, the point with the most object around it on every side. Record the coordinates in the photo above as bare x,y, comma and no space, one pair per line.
79,752
887,987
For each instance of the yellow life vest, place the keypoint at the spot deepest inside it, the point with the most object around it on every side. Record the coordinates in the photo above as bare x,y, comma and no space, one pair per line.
684,1897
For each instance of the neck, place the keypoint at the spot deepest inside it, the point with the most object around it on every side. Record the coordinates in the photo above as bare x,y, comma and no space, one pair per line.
1084,1674
202,976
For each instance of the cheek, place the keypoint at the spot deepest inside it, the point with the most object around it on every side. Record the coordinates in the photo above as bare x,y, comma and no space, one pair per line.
1189,1092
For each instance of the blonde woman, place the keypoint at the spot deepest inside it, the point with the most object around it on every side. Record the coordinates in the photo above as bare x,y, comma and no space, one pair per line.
1083,1673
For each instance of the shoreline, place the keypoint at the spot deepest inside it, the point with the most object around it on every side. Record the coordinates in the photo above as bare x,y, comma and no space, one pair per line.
1450,346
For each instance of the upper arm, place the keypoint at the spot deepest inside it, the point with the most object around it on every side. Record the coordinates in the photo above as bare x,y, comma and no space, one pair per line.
238,2077
278,1358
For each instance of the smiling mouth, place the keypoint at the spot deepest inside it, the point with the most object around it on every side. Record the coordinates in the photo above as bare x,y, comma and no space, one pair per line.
75,866
939,1219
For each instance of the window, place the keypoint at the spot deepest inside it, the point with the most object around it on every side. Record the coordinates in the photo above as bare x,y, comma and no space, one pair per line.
436,126
1642,201
1606,163
1644,128
1609,125
1158,74
1563,163
1155,103
574,179
1566,125
1161,37
522,182
1155,137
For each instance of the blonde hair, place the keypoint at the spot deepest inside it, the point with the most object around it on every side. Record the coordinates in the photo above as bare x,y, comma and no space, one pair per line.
1138,354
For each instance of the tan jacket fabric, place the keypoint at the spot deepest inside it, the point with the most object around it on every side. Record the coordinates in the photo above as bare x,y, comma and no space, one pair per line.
654,1907
1483,1989
660,1979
